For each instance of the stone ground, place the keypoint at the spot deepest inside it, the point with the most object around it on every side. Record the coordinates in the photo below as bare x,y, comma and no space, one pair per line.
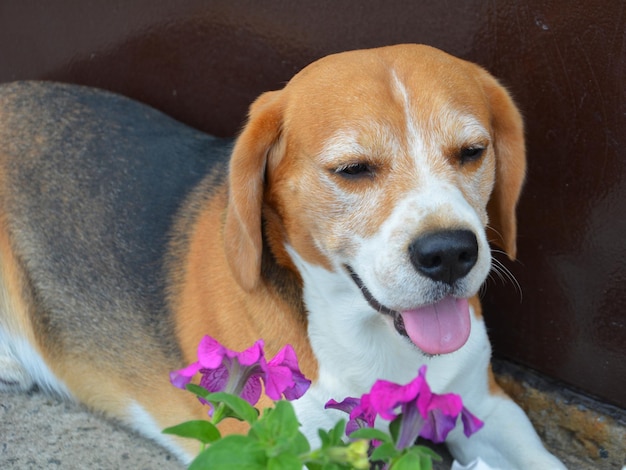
41,432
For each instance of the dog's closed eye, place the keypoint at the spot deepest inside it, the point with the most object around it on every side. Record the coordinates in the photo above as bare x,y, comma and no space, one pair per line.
471,154
355,170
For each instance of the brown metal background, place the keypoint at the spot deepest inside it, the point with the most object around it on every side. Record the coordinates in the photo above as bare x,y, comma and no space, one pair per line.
204,61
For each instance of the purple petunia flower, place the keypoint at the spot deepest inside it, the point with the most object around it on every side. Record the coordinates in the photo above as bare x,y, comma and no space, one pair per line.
422,412
282,376
361,413
241,373
426,414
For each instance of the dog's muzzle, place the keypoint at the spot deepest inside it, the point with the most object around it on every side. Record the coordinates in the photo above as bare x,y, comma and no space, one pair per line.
439,328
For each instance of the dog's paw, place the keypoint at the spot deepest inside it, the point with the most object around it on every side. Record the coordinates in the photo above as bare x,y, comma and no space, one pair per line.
13,377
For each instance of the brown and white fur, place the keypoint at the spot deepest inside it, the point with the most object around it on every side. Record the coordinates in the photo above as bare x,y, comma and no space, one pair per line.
126,236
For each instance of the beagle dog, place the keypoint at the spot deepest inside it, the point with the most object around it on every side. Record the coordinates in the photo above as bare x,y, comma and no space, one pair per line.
351,219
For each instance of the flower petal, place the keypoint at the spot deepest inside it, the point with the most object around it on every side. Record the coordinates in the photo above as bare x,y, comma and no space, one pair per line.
471,423
361,413
364,413
347,405
180,378
300,385
411,424
251,355
277,379
449,404
251,391
286,357
440,412
210,352
387,396
215,380
437,426
283,376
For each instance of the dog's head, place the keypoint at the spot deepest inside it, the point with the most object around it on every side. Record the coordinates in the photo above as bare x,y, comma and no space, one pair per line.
392,167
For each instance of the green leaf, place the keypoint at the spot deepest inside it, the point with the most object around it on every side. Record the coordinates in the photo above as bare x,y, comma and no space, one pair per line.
337,432
284,461
394,428
324,466
384,452
325,437
416,458
370,433
283,418
301,443
428,452
198,390
426,462
277,422
333,437
335,466
278,430
241,408
201,430
234,452
408,461
327,466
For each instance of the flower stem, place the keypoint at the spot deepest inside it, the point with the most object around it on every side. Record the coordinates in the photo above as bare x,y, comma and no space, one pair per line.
219,413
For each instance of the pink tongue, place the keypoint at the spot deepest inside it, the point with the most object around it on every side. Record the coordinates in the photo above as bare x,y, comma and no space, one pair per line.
440,328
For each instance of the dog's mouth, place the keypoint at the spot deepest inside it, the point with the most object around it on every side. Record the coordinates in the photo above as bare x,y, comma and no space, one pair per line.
439,328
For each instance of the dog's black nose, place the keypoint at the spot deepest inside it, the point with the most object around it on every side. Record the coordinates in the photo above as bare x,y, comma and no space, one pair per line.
446,255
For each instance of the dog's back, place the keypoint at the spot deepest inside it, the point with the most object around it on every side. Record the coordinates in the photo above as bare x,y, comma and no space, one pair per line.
89,185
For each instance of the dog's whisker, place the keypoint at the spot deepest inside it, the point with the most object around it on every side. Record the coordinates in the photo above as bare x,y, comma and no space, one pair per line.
482,290
504,274
493,229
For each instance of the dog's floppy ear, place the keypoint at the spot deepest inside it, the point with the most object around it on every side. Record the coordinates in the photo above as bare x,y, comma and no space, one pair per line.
242,229
508,128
